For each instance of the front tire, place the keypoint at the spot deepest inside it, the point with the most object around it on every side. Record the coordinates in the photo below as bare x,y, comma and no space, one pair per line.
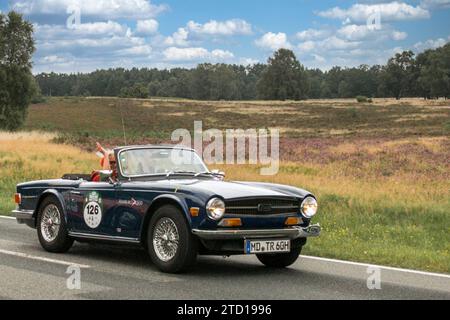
171,245
280,260
51,227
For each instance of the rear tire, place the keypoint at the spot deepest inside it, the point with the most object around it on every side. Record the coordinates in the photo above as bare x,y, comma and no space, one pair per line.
171,245
280,260
51,226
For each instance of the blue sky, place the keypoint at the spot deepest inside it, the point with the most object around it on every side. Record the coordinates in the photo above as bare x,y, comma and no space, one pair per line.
84,35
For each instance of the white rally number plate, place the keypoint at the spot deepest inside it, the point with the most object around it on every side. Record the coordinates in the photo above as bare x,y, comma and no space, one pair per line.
267,246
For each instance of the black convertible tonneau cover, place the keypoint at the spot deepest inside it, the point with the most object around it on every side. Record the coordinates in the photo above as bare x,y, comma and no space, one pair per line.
76,176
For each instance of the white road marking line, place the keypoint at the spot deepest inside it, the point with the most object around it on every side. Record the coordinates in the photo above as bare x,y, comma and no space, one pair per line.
28,256
378,266
7,217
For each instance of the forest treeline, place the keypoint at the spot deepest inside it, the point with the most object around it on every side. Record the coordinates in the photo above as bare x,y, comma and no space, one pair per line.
283,77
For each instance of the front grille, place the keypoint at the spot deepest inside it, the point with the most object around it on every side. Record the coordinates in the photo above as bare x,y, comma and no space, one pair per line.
262,206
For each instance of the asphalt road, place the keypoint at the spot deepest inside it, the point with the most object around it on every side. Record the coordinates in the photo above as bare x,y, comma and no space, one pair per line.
112,272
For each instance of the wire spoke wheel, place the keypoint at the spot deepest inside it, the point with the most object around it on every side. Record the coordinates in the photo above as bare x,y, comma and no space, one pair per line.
166,239
50,223
170,242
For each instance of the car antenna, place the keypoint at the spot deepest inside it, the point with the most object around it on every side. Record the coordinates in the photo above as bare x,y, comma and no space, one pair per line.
123,123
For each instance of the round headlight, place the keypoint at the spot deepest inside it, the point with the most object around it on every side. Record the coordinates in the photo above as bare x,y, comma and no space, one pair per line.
215,209
308,207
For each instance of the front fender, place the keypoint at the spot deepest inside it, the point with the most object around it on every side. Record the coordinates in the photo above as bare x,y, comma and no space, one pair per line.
161,200
179,201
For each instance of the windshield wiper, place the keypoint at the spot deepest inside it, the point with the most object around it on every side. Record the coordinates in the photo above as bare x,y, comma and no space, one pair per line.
195,174
171,173
203,174
208,173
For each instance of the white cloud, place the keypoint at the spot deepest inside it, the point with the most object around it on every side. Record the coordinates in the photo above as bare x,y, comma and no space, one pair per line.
178,38
57,63
364,32
273,41
335,43
312,34
88,46
221,28
399,35
330,43
110,44
98,39
111,9
194,54
95,29
348,45
147,27
355,32
393,11
430,44
195,31
327,59
142,50
109,27
221,54
307,46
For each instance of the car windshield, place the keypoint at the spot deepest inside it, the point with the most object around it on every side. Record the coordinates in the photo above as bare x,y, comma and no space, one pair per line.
160,161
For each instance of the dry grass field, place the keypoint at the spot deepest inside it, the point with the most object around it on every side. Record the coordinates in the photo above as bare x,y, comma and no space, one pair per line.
381,171
27,156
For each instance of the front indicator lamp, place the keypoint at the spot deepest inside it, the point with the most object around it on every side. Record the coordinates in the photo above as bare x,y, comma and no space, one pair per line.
293,221
229,223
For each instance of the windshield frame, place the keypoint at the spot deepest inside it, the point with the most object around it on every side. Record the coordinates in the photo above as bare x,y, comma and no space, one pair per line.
119,165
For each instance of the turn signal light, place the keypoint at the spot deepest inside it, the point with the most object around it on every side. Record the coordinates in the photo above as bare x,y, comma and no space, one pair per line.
17,198
194,212
293,221
231,223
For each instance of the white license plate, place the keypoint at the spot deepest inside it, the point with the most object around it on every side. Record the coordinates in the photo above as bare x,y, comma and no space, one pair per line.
267,246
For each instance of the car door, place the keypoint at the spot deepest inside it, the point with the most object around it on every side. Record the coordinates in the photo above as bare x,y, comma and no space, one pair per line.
133,203
92,208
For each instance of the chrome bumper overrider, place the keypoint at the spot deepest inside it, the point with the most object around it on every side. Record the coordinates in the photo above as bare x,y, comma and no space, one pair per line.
291,233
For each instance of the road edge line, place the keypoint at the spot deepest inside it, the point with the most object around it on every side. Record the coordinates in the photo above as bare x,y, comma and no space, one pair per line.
7,217
29,256
362,264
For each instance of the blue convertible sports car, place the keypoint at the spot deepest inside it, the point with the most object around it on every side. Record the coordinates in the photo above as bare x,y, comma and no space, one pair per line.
165,199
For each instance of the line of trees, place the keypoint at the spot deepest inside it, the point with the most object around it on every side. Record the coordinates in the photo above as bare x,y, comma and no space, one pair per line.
283,77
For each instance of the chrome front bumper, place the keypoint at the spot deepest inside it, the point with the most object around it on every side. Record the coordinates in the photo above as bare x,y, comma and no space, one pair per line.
290,233
25,217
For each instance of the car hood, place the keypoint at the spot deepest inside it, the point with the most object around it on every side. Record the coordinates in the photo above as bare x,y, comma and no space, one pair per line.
229,189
